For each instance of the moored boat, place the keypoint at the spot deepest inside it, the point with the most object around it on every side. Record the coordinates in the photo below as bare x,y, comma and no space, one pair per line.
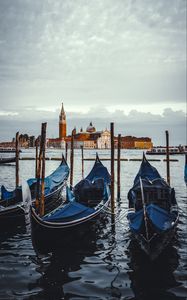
85,204
162,150
8,150
11,202
153,210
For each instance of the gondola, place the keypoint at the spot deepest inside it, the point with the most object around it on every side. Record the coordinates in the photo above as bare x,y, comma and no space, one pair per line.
153,211
7,160
12,206
84,208
185,169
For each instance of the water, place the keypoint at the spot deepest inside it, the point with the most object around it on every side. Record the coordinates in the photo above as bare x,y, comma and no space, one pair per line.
106,264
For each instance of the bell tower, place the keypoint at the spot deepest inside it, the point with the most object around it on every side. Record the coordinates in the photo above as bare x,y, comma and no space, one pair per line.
62,123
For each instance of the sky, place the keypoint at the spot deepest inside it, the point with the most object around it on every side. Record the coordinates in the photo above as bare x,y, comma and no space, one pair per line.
121,61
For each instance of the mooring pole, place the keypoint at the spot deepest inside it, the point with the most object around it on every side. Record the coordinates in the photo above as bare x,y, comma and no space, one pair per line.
17,159
167,157
66,153
38,175
82,155
42,205
72,159
112,166
119,168
36,162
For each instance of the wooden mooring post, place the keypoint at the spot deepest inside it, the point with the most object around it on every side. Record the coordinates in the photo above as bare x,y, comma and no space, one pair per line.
167,158
112,166
40,171
72,159
36,157
66,152
38,176
43,144
82,155
119,168
17,159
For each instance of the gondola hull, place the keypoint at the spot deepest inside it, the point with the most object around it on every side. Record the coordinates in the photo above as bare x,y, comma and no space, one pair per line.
156,244
84,210
50,237
12,205
11,216
153,211
14,214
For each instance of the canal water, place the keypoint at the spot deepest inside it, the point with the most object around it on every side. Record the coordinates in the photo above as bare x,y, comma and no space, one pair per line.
106,264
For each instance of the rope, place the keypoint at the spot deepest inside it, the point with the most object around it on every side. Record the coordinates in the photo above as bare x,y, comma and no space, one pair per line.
119,217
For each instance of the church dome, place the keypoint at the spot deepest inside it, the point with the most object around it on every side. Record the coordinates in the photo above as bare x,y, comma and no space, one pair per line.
90,128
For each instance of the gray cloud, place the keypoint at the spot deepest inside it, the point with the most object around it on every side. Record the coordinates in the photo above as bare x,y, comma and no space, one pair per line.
87,51
103,53
134,123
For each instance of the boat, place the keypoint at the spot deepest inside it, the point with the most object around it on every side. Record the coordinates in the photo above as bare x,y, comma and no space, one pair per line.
185,169
12,206
8,150
7,160
172,150
153,211
84,209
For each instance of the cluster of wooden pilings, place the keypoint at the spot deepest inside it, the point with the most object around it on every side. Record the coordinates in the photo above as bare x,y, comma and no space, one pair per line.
39,168
40,164
112,161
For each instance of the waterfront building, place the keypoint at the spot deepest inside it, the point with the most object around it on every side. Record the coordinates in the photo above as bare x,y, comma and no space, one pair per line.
60,141
103,142
62,124
89,139
132,142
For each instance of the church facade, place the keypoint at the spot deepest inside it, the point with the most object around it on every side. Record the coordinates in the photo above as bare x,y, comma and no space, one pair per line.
93,139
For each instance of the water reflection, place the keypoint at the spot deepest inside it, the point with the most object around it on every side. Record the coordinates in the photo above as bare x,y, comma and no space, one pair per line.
56,269
153,279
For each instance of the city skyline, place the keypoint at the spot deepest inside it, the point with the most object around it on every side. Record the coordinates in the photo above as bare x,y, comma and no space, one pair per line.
124,124
108,61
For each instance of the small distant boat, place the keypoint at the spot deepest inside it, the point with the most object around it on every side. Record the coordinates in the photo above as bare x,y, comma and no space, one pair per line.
85,205
153,210
8,150
162,150
185,169
7,160
11,202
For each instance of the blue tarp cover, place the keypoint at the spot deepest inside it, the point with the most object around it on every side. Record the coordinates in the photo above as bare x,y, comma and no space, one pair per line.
6,195
69,212
135,220
160,218
51,181
54,179
99,171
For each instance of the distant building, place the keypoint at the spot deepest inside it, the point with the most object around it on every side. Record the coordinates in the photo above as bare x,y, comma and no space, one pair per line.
89,139
60,141
132,142
103,142
62,124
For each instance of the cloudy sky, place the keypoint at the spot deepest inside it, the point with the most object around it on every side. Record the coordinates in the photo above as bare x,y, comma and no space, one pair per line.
107,60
